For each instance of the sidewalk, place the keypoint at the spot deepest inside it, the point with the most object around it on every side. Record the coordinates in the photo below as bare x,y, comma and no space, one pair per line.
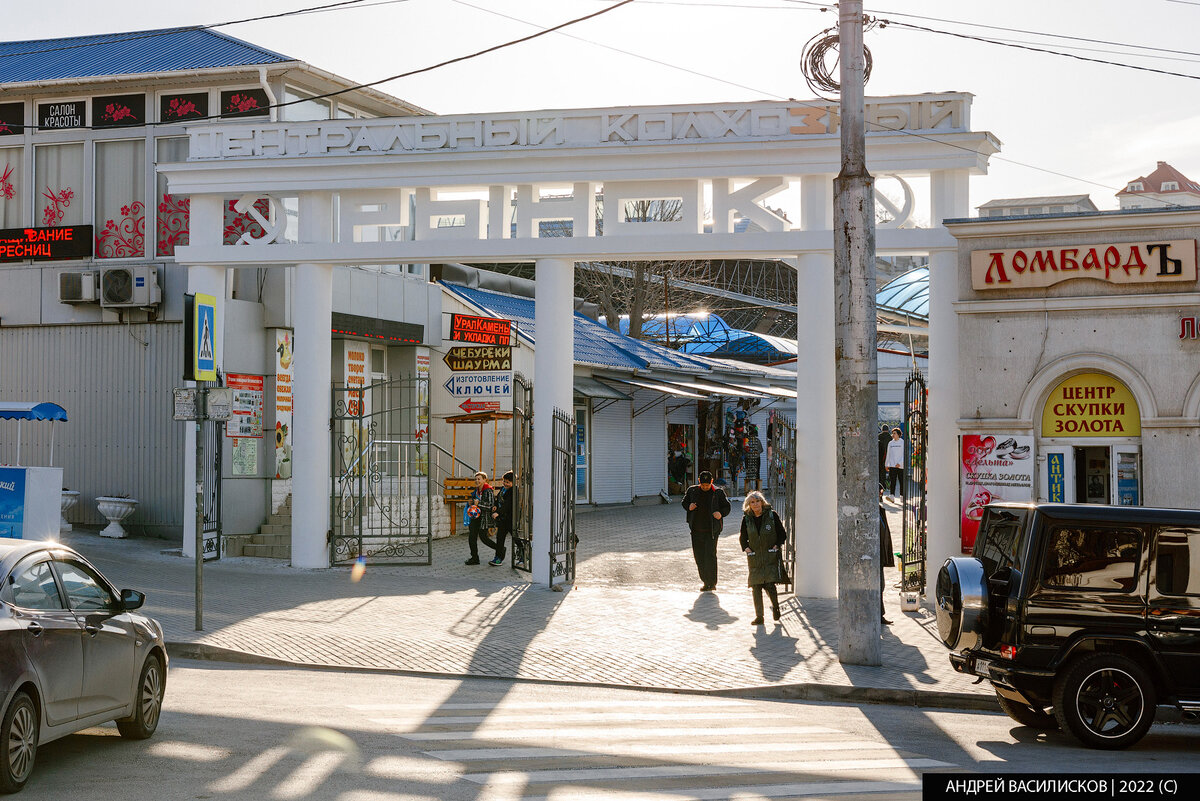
634,618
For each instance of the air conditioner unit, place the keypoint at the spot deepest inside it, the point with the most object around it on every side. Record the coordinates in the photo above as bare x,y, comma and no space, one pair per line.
125,287
78,287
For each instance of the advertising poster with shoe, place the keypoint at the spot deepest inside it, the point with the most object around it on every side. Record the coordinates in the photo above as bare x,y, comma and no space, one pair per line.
993,468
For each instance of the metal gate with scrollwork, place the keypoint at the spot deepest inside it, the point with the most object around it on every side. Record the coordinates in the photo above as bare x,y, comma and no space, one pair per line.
522,532
915,515
781,444
562,500
381,507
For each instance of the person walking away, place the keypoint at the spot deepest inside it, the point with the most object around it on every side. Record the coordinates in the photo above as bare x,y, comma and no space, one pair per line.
761,538
895,465
753,457
479,512
706,506
502,513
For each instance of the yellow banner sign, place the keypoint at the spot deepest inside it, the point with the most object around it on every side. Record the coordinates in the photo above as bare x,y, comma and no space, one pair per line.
1120,263
1091,405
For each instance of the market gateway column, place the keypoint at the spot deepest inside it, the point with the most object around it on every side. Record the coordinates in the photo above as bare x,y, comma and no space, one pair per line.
553,388
312,315
816,403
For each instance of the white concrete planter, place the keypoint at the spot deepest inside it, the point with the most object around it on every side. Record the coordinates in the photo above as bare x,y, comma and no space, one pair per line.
115,510
69,499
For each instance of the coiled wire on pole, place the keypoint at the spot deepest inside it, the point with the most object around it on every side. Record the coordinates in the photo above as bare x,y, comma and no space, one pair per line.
815,64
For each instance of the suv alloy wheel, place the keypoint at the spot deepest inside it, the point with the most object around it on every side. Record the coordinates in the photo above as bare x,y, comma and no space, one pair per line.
1105,700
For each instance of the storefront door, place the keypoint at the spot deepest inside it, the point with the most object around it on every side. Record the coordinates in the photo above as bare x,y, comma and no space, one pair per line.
1126,475
1056,479
681,457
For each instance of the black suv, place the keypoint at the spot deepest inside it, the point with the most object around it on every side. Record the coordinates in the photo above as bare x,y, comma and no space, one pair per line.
1085,617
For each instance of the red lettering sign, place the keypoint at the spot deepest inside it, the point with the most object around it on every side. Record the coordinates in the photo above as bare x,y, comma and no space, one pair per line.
480,330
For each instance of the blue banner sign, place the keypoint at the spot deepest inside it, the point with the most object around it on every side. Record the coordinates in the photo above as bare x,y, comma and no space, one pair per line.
12,502
1055,478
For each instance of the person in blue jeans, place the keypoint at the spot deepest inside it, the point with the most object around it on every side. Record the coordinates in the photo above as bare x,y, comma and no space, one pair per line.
479,513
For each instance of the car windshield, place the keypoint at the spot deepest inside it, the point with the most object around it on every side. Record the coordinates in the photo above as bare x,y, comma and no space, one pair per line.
1001,540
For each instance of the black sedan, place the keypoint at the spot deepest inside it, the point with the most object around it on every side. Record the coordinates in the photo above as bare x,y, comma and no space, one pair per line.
73,654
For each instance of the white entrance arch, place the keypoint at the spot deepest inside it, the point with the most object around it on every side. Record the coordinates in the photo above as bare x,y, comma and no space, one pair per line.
472,189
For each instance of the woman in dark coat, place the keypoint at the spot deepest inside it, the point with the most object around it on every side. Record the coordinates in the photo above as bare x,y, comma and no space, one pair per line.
761,537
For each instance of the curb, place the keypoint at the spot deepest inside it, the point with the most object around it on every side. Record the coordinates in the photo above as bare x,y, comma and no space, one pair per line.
831,693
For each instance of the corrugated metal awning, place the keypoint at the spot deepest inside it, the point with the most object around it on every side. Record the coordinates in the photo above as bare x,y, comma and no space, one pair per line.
666,389
726,390
591,388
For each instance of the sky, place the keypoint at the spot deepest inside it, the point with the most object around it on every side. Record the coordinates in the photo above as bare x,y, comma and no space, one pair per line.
1067,126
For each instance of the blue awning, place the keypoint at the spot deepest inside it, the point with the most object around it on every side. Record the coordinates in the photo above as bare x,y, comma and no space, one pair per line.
27,410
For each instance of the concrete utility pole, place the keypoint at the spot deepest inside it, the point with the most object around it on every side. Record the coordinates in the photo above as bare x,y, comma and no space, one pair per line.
855,354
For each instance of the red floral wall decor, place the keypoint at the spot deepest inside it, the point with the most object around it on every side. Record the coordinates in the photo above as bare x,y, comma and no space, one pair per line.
12,119
7,191
245,103
189,106
124,238
173,217
238,224
119,111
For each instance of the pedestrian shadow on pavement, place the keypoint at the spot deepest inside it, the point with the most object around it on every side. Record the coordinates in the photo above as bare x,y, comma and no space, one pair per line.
776,652
707,610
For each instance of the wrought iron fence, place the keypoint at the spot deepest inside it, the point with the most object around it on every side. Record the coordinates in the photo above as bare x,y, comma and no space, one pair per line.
781,458
522,450
562,500
915,513
382,504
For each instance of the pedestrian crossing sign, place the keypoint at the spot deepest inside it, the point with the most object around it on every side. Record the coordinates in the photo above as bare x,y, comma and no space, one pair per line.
204,338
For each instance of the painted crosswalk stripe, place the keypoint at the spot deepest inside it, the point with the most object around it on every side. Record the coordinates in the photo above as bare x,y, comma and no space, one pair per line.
569,717
691,771
609,733
659,750
504,704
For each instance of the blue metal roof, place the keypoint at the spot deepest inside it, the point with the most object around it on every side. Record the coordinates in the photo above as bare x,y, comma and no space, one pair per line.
594,343
907,293
135,52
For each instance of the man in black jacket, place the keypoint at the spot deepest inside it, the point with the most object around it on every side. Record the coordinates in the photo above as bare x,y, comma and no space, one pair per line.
706,506
503,515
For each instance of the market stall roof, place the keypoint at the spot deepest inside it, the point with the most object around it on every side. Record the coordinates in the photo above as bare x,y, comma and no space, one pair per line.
591,388
30,410
669,389
713,389
478,417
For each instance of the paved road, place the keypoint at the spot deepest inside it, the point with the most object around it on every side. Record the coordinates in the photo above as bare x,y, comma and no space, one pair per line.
272,733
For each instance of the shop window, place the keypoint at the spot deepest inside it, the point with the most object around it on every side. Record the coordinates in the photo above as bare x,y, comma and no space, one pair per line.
1092,558
121,199
1177,555
304,107
58,181
171,228
11,195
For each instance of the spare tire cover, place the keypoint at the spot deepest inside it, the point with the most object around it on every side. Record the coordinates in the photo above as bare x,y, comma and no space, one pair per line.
961,603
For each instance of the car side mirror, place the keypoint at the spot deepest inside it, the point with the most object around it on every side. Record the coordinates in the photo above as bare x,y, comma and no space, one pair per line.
132,599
